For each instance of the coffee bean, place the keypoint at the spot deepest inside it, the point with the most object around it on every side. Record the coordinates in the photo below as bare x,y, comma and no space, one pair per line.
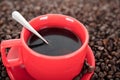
100,48
113,68
3,74
98,63
117,74
91,69
8,37
111,79
101,74
117,78
97,69
101,18
109,56
7,78
112,62
86,69
97,55
0,78
106,68
102,66
110,72
109,76
95,76
107,61
118,61
1,22
14,35
105,41
109,65
105,73
3,68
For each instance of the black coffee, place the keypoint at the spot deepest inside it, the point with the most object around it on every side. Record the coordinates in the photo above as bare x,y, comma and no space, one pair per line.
61,41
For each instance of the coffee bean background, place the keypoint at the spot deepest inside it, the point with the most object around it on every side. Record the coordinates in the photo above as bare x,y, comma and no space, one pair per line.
101,18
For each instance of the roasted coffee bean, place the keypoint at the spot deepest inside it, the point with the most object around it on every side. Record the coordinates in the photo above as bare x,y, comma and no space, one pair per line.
109,65
109,76
8,37
97,55
107,61
105,73
90,69
118,61
101,74
103,67
98,63
101,18
109,56
0,78
94,77
3,74
110,72
117,74
86,69
113,68
106,68
112,62
100,48
97,69
1,22
117,78
7,78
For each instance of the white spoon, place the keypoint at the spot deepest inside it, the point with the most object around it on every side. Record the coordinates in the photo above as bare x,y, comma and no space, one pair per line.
19,18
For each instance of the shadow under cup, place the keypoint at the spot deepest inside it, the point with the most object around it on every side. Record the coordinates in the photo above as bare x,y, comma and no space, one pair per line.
63,67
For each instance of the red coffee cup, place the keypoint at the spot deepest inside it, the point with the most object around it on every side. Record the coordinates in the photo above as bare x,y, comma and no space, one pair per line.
44,67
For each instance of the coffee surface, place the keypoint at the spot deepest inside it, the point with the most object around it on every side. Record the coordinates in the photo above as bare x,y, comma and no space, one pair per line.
61,42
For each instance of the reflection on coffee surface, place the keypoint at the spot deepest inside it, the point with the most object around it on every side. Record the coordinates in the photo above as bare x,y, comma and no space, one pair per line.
61,42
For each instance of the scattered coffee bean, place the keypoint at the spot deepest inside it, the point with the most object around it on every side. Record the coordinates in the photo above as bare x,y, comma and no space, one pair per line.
3,74
7,78
109,76
86,69
101,74
117,74
91,69
101,18
97,69
95,76
117,78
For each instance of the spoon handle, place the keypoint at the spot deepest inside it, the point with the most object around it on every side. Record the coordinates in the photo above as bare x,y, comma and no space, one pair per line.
19,18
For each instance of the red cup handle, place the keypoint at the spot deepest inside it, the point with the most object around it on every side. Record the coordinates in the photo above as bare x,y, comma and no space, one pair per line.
9,44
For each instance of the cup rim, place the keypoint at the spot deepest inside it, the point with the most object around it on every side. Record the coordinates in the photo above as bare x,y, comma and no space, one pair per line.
84,45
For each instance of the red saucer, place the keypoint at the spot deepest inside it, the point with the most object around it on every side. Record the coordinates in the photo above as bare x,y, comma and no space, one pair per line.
19,72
